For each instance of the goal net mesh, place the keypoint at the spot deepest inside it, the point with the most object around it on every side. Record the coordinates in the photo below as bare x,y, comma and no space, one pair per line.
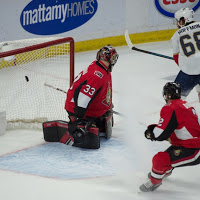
24,77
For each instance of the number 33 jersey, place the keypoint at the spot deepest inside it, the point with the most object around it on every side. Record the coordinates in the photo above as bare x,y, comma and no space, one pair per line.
91,92
186,42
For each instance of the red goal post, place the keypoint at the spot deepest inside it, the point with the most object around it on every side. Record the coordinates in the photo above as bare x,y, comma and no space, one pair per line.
25,67
47,44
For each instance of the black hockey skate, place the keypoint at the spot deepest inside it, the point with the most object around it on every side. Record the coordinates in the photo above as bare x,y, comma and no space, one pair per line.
149,186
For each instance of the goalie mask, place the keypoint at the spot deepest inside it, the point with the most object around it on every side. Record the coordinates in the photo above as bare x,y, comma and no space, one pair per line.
184,16
171,90
109,54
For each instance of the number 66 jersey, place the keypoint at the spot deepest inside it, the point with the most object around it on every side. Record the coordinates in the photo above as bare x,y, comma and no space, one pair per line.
186,43
91,92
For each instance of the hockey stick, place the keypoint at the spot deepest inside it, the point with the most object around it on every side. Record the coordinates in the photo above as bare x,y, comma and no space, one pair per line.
58,89
50,86
117,113
131,46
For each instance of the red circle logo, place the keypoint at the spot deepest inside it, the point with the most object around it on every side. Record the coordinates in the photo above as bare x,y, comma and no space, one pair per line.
169,7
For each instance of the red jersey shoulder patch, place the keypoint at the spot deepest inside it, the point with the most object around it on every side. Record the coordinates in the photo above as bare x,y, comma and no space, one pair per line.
99,74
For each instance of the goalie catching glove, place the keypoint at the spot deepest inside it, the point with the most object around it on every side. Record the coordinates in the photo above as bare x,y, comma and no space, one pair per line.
149,132
78,129
73,126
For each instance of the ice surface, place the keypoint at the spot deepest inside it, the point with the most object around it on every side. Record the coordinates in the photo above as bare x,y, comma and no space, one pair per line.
33,169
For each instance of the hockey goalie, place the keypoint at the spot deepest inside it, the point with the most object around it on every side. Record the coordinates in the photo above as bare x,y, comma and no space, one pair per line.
89,105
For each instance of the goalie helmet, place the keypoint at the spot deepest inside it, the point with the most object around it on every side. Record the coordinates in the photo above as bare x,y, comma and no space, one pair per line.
171,90
187,14
109,54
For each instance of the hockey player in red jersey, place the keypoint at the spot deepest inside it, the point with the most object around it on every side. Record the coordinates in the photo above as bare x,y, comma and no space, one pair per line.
89,100
89,105
179,124
91,92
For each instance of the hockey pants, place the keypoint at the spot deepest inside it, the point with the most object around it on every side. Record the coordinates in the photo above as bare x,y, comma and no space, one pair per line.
187,82
173,157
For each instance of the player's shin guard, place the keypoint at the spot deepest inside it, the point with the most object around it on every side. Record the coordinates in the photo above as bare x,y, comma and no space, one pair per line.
161,165
168,173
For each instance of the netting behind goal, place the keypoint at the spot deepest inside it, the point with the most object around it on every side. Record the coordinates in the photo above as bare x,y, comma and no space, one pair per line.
30,72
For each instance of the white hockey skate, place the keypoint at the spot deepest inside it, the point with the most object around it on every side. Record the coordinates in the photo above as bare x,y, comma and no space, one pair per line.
149,186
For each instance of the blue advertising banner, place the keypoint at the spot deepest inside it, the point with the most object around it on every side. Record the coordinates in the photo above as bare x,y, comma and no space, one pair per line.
49,17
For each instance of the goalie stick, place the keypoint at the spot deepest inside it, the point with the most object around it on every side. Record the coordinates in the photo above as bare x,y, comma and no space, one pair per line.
58,89
131,46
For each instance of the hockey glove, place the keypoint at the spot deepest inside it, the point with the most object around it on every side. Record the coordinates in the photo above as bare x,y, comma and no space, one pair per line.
149,132
74,126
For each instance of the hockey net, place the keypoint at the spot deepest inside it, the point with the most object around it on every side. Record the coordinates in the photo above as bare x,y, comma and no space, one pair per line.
30,73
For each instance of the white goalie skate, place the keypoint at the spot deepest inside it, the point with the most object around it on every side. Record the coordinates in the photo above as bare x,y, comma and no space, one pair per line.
149,186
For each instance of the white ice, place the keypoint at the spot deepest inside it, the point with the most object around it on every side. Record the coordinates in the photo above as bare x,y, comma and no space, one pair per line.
138,80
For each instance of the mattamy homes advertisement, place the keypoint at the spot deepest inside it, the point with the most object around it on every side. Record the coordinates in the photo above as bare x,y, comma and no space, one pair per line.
81,19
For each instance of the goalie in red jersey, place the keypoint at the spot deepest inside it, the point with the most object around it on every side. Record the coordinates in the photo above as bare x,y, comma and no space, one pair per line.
89,105
179,124
89,100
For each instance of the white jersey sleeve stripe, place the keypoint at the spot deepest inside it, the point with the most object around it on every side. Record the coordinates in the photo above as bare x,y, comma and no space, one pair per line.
183,134
157,131
83,100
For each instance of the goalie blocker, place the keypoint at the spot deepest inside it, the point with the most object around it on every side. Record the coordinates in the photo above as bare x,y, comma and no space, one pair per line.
57,131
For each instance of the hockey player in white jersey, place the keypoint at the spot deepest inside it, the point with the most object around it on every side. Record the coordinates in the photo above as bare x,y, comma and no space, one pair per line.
186,50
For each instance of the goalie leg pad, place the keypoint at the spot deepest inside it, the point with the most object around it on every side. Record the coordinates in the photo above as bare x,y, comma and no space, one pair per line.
105,124
50,131
57,131
53,131
108,126
67,139
94,139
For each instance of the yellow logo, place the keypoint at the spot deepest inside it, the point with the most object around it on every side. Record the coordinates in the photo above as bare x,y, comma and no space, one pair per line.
107,101
177,152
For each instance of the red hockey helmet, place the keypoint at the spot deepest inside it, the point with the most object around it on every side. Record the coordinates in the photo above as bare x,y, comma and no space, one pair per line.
108,53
